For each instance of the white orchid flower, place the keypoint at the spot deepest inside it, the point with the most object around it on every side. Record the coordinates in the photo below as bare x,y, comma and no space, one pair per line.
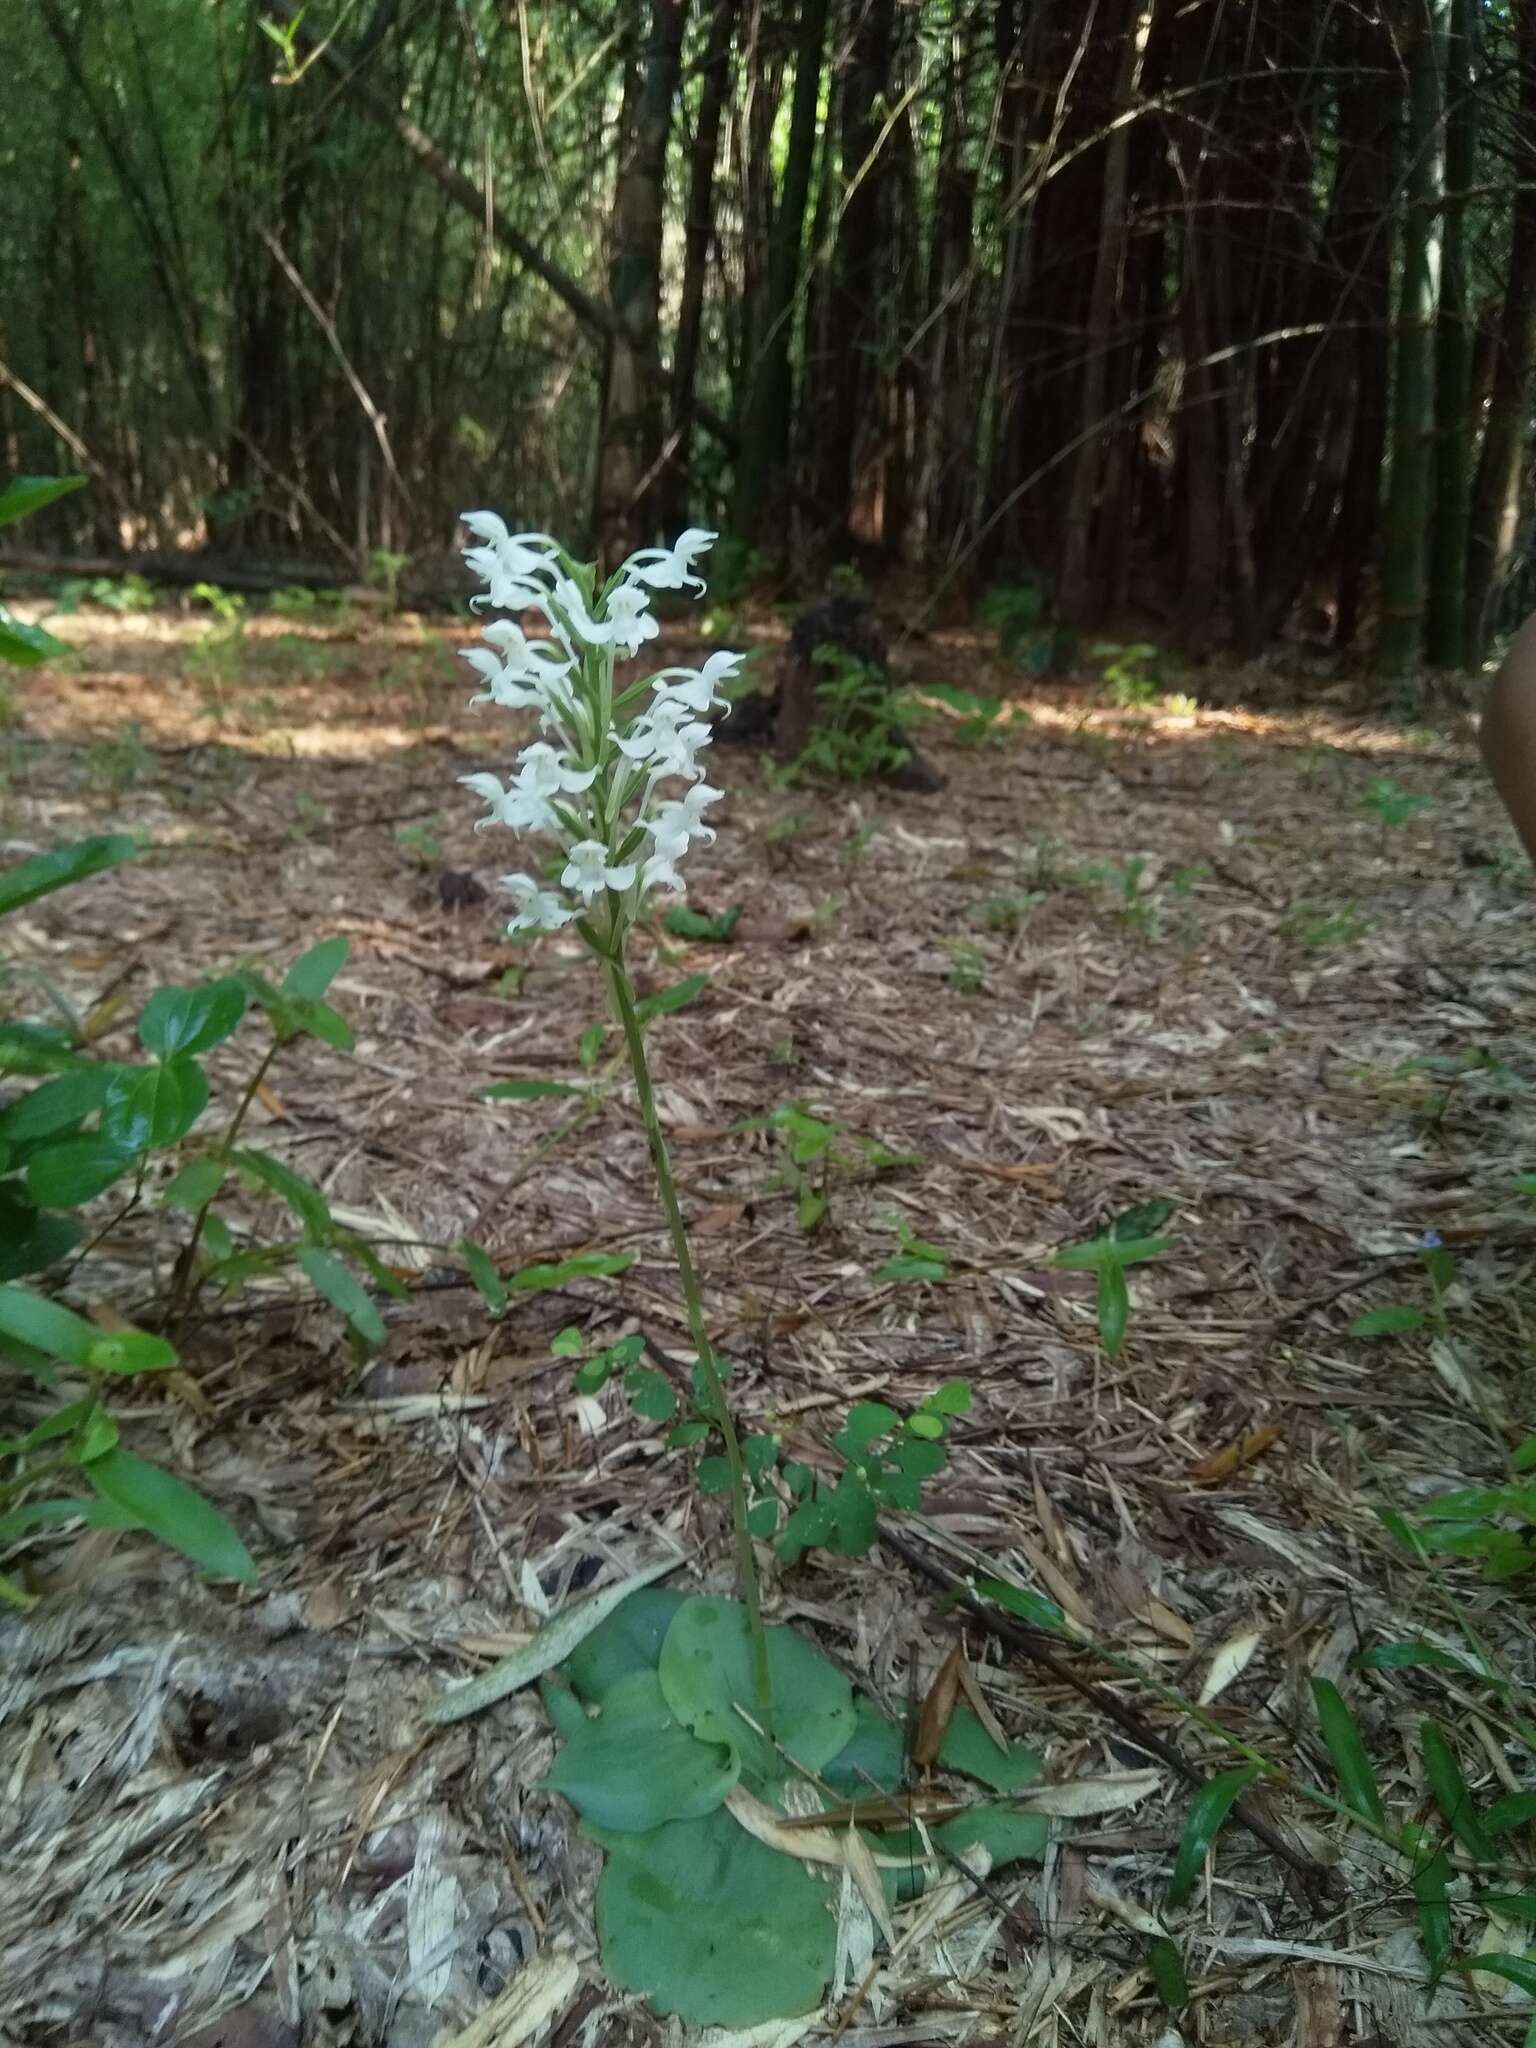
628,625
503,591
675,750
697,687
660,872
488,787
538,909
684,817
671,568
520,554
501,687
588,870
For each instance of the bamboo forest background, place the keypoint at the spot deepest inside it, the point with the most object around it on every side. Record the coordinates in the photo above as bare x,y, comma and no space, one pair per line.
1215,311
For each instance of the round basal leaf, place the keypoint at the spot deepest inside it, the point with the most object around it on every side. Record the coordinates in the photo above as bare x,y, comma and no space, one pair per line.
184,1020
635,1766
65,1175
706,1668
874,1758
706,1922
170,1509
149,1108
628,1641
969,1748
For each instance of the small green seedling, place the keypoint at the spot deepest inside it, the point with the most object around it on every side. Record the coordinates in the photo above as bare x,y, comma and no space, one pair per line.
917,1259
1129,1241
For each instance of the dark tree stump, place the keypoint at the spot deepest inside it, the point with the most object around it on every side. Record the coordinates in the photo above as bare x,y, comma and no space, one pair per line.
788,712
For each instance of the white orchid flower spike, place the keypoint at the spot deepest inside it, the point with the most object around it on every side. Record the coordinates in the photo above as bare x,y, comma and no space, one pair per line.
603,783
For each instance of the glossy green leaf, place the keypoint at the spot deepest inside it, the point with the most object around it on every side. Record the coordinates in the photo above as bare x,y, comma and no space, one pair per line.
909,1266
1202,1824
953,1398
1514,1810
528,1091
177,1021
1114,1307
1453,1795
1025,1603
635,1766
152,1108
195,1186
313,972
24,495
1167,1967
37,1049
319,1020
713,1476
65,865
580,1266
481,1269
1407,1656
170,1509
1357,1780
704,1921
301,1195
763,1519
1519,1906
343,1291
666,1000
130,1351
1146,1219
46,1326
568,1343
57,1105
706,1669
684,923
1395,1320
25,646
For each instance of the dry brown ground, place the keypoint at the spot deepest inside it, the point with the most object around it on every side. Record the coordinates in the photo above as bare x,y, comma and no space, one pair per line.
226,1806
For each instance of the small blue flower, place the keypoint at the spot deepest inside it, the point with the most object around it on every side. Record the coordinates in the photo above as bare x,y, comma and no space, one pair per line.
1431,1241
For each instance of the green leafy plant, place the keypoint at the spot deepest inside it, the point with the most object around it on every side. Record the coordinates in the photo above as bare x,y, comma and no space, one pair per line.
817,1155
215,659
967,970
120,594
851,736
1014,612
1317,928
973,720
1133,672
386,568
122,761
1130,1240
1392,806
422,841
683,923
916,1260
1396,1319
25,646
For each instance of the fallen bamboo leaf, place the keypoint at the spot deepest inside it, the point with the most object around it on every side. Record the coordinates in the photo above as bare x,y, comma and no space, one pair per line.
937,1711
1084,1796
551,1646
538,1994
1232,1457
1230,1661
984,1714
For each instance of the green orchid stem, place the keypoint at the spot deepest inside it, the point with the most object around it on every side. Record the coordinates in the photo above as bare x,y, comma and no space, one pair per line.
621,990
184,1265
